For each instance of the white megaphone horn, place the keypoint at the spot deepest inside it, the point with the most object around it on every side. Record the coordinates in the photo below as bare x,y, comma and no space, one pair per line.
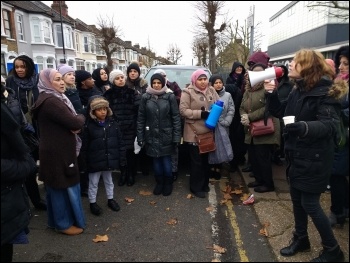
269,73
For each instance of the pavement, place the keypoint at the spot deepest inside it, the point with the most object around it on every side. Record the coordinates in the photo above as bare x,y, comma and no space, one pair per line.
274,210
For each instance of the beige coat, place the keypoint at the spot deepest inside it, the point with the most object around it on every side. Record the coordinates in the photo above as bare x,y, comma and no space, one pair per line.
191,104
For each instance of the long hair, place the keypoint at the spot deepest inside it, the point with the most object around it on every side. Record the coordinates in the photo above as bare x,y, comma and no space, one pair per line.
28,62
313,67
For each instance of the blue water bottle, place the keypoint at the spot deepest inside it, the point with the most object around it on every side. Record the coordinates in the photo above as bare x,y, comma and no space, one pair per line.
214,114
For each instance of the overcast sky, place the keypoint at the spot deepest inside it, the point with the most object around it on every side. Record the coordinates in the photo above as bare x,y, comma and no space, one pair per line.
160,24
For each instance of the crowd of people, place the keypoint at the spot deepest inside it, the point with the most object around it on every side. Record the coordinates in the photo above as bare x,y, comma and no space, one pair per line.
89,125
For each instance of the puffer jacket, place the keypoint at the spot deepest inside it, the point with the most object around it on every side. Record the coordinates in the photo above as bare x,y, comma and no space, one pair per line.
159,124
310,157
192,102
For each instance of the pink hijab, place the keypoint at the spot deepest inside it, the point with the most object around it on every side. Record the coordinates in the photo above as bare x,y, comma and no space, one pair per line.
195,75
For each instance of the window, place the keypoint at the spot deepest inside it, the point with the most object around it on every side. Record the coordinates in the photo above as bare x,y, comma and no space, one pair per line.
71,63
67,37
47,32
6,21
36,30
40,62
77,42
3,65
59,36
49,62
20,27
92,43
86,44
80,65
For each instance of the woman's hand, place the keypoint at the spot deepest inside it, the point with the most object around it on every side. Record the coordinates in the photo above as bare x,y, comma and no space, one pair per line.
76,131
269,85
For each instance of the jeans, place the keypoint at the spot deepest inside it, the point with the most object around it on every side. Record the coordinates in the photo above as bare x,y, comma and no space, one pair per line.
308,204
162,166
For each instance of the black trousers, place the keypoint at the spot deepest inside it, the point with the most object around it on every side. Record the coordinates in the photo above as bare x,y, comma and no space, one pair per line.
6,252
33,189
339,194
199,176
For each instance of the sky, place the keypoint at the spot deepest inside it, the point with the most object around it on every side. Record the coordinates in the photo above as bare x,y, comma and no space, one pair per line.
160,24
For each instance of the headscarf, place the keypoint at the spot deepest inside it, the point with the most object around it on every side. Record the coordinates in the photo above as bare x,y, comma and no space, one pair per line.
46,78
96,75
195,75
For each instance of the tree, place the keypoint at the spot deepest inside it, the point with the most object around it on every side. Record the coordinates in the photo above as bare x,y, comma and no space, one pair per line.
208,12
200,50
337,9
107,38
174,54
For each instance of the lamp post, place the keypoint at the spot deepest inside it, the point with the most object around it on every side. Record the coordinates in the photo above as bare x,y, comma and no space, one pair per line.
251,25
64,49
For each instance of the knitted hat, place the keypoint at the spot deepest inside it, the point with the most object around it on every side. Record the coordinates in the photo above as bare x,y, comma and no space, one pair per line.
214,78
160,71
259,57
133,66
115,73
64,69
99,102
159,77
81,75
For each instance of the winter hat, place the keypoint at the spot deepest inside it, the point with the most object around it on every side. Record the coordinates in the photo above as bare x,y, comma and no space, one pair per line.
99,102
259,57
158,76
195,75
81,75
133,66
64,69
160,71
115,73
343,51
214,78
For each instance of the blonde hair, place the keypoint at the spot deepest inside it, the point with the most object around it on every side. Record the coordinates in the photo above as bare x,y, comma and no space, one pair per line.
313,67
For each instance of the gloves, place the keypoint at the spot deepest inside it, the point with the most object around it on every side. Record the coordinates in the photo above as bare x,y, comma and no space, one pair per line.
245,119
204,115
141,144
296,128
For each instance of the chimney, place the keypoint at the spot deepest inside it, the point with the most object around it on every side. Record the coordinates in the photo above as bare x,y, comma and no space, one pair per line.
137,46
128,43
64,8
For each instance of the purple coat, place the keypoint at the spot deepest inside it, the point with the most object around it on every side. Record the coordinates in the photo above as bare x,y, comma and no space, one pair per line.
57,153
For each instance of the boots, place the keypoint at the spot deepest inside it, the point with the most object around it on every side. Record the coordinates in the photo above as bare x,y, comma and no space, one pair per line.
333,254
123,175
298,244
337,219
175,175
159,186
168,185
131,177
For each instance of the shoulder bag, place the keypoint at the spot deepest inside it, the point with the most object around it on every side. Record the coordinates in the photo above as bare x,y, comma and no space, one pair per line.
205,141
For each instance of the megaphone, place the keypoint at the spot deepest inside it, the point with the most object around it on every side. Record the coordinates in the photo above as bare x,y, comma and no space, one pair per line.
269,73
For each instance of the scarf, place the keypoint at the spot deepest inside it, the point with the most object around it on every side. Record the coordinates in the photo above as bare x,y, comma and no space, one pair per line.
26,83
156,93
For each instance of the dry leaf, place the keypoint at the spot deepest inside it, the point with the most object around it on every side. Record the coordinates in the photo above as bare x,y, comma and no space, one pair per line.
189,196
219,249
264,231
227,196
172,221
215,260
99,238
210,208
237,191
129,199
224,201
167,209
152,202
244,197
145,193
227,189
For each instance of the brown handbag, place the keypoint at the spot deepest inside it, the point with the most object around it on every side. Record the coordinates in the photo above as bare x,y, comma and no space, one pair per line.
205,141
258,128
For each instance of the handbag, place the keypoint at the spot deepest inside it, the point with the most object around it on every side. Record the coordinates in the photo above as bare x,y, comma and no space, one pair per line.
259,128
223,152
205,141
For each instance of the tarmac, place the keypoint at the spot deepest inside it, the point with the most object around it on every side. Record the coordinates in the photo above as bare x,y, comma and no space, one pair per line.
274,210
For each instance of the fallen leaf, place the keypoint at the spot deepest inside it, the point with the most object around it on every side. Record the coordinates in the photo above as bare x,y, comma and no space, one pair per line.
219,249
189,196
245,196
237,192
145,193
167,209
172,221
227,189
264,231
99,238
210,208
224,201
227,196
152,202
129,199
215,260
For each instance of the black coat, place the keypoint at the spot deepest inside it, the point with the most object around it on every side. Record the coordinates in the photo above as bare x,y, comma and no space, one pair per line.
310,157
16,165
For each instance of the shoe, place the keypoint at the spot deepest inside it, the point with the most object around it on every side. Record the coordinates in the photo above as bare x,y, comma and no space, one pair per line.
217,175
112,204
247,169
336,219
73,230
95,209
254,184
206,189
250,200
199,194
264,189
175,175
168,185
330,255
297,244
41,205
84,194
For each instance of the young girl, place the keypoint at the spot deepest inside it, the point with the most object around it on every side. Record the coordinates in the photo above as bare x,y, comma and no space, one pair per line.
101,148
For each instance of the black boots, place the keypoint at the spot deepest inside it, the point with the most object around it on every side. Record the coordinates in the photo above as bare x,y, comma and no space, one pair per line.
95,209
168,185
123,175
159,186
298,244
333,254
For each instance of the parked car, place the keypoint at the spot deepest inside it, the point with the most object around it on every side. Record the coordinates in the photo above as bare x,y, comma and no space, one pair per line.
179,73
